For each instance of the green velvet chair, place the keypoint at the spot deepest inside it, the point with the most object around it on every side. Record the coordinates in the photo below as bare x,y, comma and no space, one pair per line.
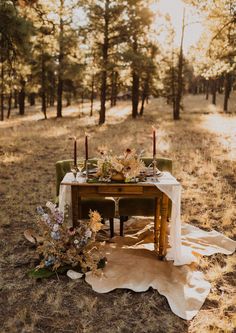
141,206
105,206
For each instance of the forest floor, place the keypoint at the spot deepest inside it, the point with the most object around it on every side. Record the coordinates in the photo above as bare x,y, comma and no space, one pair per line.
203,147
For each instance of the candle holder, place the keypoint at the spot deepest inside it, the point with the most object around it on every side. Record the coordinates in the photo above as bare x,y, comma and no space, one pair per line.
156,171
87,169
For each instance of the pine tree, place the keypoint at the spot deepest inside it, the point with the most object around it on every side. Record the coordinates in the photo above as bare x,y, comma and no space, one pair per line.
15,32
139,19
105,23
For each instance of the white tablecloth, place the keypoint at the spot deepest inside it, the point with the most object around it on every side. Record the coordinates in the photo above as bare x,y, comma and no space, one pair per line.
172,188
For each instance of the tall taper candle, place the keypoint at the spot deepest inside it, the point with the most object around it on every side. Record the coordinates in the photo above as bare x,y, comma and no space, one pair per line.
86,147
75,151
154,142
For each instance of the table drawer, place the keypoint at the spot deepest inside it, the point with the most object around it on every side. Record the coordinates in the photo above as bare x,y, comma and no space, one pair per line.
120,190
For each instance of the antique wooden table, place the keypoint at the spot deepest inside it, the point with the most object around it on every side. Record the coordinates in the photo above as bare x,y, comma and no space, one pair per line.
96,190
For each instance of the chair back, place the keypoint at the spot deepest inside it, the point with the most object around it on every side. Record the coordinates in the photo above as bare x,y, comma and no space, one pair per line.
163,164
62,167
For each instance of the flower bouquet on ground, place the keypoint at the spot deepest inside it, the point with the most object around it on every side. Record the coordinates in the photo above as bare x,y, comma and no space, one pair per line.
124,168
62,247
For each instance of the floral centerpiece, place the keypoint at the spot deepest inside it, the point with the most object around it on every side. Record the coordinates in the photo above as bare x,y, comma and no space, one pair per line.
67,246
126,167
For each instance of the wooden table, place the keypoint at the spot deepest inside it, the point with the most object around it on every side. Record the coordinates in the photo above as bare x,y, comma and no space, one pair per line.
98,190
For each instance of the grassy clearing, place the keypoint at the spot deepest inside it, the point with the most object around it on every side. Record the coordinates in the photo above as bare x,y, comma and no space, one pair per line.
203,148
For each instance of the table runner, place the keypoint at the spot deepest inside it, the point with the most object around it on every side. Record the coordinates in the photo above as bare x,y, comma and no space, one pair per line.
172,188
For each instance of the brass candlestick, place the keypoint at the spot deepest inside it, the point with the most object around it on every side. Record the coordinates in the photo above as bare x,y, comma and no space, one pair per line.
86,169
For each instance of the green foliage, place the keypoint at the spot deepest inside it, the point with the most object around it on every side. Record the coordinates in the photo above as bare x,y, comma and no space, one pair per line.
15,32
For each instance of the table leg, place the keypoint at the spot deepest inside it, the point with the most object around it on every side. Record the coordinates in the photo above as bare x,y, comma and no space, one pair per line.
157,225
163,227
76,205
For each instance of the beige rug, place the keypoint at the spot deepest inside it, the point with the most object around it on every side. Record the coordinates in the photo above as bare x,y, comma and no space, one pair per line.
132,264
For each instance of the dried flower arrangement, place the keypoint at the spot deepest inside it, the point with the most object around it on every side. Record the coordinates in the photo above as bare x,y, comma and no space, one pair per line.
62,246
125,168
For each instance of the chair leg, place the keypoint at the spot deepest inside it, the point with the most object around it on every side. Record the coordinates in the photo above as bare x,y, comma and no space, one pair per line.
121,225
111,220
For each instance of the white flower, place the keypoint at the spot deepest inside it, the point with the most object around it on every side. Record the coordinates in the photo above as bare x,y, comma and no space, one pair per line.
51,206
55,227
76,241
88,233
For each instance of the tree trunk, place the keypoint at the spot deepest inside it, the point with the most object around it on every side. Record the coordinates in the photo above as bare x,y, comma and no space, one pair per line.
92,96
144,94
22,98
105,47
59,97
179,93
112,88
114,78
207,89
115,89
82,100
227,88
142,104
220,85
172,82
9,105
32,99
2,91
43,84
60,63
135,82
135,95
15,99
102,116
52,90
213,91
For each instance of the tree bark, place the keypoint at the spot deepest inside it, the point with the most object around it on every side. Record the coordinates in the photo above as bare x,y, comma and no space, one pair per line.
213,91
105,47
135,83
135,95
2,91
144,94
179,93
114,78
172,82
60,63
92,96
43,86
207,89
9,105
227,88
52,91
32,99
115,89
22,98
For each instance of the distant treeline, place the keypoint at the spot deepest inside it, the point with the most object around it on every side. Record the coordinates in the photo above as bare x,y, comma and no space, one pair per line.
58,52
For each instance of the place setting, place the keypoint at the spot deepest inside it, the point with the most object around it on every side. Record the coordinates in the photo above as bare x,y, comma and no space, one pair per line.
128,167
79,236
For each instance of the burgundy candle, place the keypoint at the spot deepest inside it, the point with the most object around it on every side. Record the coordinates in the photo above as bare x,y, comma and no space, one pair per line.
86,147
75,152
154,142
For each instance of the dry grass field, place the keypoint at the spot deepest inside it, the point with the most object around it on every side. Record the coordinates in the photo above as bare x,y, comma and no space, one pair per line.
203,147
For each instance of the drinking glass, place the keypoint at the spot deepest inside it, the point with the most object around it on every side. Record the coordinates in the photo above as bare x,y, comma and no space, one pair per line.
74,170
80,166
